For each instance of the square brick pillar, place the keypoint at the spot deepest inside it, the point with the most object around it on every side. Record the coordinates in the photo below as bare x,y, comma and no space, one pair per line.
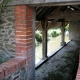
24,36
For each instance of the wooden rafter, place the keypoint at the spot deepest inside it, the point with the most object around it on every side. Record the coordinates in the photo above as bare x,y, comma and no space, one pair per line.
69,15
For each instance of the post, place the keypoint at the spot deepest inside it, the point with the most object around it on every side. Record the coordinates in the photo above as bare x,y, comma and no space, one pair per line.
44,41
24,37
63,43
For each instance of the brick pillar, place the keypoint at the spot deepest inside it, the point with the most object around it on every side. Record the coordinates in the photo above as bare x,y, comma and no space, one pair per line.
24,37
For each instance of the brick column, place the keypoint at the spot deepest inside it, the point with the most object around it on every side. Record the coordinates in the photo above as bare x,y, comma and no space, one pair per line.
24,37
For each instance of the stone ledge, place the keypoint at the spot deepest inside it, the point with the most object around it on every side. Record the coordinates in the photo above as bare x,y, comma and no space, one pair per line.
11,66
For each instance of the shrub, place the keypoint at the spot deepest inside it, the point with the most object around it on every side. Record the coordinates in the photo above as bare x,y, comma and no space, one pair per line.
38,36
54,34
3,4
50,33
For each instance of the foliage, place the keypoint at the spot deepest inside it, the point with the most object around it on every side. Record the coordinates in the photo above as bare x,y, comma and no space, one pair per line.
51,33
38,36
67,27
3,4
54,34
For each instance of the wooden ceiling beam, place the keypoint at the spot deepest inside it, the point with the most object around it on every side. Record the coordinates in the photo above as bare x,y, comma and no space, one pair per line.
38,10
43,11
52,23
69,15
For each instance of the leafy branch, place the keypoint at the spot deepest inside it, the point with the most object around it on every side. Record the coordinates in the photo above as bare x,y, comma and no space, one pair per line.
3,4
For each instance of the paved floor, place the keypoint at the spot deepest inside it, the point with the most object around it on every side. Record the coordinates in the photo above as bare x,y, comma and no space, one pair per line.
61,66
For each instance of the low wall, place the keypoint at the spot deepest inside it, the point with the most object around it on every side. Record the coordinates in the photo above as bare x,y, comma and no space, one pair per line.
13,69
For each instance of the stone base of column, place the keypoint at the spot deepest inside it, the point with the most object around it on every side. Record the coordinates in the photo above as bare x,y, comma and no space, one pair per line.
63,43
44,58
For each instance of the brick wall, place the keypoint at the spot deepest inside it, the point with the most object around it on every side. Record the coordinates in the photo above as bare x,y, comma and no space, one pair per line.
24,36
13,69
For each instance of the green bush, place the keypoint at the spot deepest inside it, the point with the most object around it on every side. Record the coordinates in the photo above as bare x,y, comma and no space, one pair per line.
3,5
38,36
54,34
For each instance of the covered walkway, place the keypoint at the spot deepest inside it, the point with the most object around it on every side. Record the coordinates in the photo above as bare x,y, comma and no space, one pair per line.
31,15
63,65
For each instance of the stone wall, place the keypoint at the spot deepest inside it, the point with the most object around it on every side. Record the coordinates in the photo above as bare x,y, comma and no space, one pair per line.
7,33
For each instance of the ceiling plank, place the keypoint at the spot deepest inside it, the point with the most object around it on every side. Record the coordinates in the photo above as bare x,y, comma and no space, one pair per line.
69,15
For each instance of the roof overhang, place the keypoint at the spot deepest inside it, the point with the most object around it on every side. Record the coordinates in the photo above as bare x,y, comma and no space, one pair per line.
45,2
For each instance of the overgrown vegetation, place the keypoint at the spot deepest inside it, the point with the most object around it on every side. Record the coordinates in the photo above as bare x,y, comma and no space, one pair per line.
3,4
54,34
38,37
51,33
